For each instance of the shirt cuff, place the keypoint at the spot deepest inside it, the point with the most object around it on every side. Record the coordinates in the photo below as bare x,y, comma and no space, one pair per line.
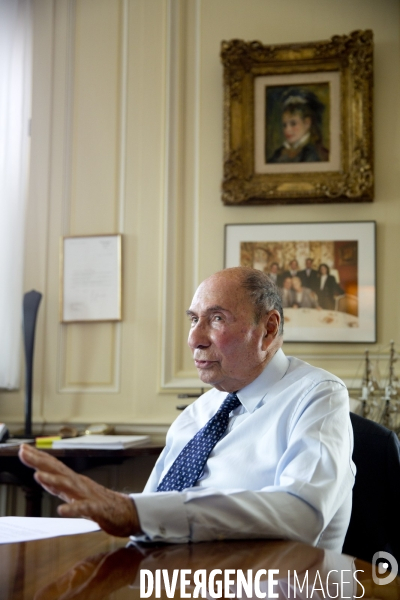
162,517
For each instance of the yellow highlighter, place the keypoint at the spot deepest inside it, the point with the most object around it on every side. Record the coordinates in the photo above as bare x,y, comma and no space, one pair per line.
46,441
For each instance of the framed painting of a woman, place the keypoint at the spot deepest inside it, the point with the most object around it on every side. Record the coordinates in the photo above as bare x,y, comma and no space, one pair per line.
298,121
301,116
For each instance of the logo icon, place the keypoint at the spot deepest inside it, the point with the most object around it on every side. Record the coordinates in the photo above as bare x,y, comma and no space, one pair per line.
381,562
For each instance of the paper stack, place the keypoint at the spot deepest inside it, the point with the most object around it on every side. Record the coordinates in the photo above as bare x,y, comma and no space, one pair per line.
101,442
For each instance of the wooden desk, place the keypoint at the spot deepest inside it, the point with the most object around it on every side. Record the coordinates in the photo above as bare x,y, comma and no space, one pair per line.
12,471
96,566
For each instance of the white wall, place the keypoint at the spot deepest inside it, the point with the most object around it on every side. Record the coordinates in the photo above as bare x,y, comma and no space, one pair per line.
127,137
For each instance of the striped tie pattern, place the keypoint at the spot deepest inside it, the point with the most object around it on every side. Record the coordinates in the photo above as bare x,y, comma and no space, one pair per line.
189,464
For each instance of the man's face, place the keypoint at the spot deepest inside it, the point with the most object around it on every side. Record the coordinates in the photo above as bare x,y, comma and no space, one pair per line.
274,268
229,349
294,265
287,284
296,283
309,263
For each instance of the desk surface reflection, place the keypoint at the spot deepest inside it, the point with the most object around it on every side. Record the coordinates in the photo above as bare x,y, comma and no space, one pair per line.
96,566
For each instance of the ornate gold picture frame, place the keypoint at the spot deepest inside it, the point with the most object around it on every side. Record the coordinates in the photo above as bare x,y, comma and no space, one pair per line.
298,121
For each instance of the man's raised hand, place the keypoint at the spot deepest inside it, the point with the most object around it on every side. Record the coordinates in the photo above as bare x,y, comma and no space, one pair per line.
114,512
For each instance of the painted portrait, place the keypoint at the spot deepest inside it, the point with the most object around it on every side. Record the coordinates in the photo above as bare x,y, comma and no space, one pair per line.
297,123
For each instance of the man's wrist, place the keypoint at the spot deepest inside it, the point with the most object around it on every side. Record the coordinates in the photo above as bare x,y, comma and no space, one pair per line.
133,523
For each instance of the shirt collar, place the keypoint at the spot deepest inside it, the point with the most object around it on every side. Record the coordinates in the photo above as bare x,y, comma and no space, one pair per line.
251,395
301,142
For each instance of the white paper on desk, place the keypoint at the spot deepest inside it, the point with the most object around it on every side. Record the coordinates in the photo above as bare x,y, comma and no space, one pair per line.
25,529
101,442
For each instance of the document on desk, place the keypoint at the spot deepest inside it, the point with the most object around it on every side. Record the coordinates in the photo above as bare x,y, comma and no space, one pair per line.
26,529
101,442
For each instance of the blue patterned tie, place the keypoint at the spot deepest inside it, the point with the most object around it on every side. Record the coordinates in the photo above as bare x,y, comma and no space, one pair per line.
189,464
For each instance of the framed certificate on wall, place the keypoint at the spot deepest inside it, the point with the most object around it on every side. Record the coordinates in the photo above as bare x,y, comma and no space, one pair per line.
90,278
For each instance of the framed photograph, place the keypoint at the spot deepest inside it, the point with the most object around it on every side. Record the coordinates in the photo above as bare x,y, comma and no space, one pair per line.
91,269
298,121
325,273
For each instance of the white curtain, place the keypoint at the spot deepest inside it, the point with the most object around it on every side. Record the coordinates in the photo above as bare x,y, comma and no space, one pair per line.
15,107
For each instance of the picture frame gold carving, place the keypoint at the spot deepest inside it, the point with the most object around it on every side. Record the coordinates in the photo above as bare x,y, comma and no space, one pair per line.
254,75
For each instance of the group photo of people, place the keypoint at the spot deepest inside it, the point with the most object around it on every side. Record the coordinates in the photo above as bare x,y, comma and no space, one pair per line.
319,275
308,287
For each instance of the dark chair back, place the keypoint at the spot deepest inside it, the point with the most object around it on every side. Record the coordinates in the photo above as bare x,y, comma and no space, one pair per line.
375,516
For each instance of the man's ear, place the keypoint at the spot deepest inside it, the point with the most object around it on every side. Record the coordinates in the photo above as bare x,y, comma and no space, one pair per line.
272,321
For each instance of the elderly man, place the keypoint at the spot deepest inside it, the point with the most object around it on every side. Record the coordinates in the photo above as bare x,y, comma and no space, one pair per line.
303,297
287,293
266,453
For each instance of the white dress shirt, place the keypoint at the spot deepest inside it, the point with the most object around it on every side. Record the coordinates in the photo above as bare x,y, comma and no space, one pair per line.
322,281
282,470
273,276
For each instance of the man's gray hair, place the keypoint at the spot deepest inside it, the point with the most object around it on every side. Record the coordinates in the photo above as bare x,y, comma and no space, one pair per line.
264,294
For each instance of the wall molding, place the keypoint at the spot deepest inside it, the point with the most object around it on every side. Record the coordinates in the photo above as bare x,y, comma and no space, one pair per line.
181,180
64,346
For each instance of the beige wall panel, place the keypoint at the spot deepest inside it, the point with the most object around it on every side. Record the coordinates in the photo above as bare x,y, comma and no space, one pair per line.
89,356
132,395
310,20
87,352
96,117
146,176
131,107
181,187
